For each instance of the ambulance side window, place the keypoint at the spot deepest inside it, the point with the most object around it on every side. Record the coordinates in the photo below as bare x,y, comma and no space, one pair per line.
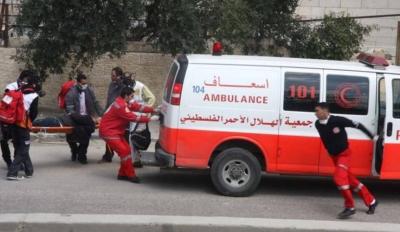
396,98
348,94
301,91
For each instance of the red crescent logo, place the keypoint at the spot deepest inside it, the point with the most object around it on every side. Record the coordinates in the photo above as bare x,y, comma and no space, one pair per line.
342,98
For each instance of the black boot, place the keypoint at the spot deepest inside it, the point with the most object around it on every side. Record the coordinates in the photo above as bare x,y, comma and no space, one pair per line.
372,207
82,159
346,213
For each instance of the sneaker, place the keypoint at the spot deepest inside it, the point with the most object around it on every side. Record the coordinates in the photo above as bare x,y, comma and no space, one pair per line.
15,178
346,213
372,207
137,164
28,176
133,179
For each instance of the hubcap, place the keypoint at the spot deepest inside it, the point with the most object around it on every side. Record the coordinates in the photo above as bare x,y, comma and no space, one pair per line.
236,173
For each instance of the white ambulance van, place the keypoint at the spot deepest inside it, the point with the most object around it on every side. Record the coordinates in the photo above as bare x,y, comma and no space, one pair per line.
240,116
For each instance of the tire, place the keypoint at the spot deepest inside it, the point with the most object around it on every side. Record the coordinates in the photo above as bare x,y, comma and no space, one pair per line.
236,172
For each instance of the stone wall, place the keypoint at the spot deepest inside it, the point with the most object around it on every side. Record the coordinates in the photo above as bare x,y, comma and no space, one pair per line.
151,69
384,38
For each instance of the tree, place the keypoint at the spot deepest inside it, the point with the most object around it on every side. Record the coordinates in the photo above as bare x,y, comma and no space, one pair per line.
74,32
172,26
335,38
186,26
77,32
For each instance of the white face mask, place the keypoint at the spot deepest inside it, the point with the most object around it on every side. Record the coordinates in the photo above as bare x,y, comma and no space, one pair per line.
84,86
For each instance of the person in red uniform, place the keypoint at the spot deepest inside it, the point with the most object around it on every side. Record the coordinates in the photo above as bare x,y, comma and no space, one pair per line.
112,129
334,137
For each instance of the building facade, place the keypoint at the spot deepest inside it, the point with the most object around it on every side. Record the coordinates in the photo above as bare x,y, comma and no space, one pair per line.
384,37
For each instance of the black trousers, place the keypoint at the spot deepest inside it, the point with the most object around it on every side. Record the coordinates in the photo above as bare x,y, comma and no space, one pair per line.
22,142
78,146
5,131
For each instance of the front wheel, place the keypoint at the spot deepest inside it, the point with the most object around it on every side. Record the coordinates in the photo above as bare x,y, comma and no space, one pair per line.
236,172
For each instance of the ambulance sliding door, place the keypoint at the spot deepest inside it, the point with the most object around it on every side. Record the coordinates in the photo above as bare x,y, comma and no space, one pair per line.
391,145
352,95
299,143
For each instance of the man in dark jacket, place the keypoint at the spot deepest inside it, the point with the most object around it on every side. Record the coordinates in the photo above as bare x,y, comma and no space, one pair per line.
83,109
114,90
334,137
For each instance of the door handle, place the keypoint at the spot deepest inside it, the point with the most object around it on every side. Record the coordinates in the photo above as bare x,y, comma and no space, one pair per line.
389,129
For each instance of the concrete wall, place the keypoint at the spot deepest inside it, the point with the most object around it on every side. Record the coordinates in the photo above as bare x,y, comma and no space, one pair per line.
151,69
384,38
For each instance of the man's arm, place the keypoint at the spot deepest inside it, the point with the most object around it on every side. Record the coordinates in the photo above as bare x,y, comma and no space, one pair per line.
69,102
349,123
134,106
125,113
148,96
99,110
33,110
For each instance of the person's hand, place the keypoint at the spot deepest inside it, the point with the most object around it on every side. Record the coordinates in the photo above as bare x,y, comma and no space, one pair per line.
157,110
155,117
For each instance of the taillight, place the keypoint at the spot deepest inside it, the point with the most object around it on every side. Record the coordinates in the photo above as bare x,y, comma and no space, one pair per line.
176,94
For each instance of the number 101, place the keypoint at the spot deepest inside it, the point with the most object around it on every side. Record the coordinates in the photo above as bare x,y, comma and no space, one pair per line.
302,91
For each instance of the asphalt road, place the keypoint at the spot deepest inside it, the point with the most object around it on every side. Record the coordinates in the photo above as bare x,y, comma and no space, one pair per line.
63,187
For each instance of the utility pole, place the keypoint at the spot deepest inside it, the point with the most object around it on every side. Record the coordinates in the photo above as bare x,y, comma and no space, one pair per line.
6,25
398,44
2,13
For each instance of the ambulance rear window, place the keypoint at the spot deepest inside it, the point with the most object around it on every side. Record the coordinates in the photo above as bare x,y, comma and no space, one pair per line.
170,81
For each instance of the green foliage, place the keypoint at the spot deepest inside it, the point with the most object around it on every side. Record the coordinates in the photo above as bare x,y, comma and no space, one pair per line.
73,32
77,32
335,38
173,26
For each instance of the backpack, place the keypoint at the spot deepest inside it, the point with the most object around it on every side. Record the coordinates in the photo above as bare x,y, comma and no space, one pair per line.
63,93
12,107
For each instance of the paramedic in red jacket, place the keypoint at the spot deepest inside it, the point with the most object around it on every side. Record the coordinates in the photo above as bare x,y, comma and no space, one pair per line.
112,129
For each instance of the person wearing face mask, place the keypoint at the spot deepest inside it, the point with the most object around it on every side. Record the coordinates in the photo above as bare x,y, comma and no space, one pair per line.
20,130
331,129
83,108
5,129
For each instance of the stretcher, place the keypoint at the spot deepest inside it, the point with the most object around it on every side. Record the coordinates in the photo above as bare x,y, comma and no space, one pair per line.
55,129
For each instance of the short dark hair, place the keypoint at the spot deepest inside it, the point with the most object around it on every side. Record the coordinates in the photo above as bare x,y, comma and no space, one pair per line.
80,77
118,71
126,91
27,74
322,105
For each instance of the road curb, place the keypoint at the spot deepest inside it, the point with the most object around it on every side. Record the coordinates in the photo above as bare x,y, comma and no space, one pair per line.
143,223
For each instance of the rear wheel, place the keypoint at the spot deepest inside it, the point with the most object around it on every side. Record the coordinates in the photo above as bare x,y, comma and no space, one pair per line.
236,172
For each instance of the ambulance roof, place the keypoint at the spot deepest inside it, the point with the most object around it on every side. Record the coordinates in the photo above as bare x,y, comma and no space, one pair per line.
288,62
